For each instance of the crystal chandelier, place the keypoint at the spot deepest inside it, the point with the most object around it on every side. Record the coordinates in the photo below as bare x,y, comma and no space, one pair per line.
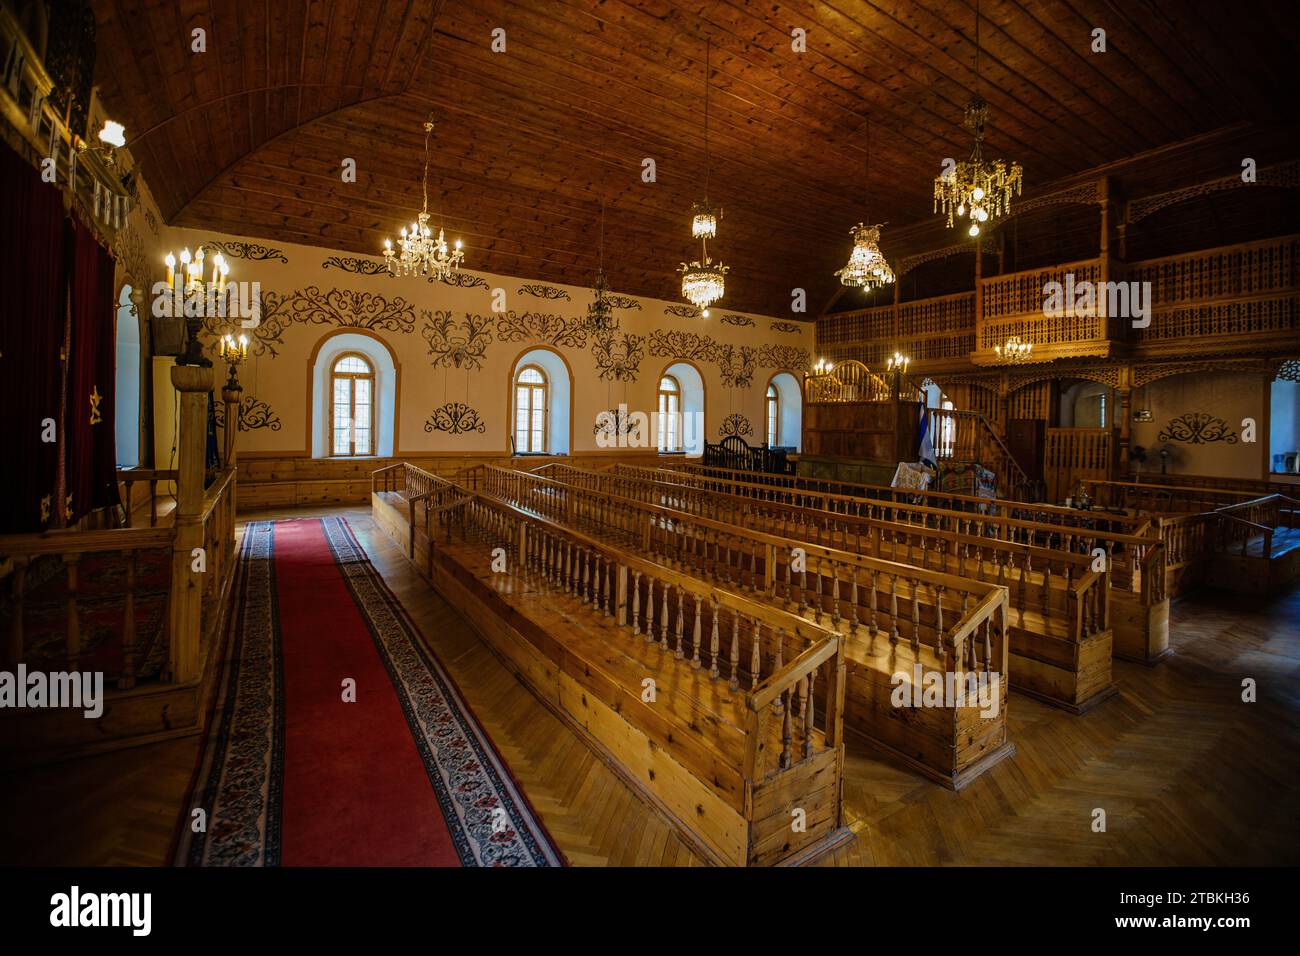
866,268
1014,351
704,220
600,314
976,188
703,280
421,254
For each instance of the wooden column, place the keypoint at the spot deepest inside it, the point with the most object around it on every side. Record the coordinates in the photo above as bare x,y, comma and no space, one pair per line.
194,383
232,395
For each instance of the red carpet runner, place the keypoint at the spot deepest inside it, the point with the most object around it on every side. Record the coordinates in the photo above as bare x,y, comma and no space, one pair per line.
294,775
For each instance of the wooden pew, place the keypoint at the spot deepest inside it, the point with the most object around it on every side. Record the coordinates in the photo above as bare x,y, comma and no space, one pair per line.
1139,578
690,691
894,617
1060,631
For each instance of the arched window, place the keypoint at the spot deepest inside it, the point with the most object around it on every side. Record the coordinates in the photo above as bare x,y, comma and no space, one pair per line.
670,414
773,417
531,420
352,408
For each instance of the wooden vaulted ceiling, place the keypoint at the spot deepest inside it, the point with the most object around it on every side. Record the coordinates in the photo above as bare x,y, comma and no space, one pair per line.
249,136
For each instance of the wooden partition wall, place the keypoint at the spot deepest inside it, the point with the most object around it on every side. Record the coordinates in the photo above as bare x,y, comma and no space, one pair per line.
188,567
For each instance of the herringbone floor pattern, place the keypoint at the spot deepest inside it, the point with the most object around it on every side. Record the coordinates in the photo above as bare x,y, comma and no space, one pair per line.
1184,770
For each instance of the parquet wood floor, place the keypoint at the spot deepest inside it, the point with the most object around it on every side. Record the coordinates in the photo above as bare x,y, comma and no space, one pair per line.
1186,772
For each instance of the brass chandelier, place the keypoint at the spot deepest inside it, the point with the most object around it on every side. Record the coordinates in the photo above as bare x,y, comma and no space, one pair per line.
977,189
421,254
1014,351
703,280
866,268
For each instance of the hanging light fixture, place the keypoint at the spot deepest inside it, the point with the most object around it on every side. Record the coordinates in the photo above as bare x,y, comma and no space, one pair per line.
704,281
1014,351
866,268
421,254
976,188
600,314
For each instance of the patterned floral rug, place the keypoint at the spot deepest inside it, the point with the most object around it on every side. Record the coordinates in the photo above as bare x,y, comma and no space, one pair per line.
338,739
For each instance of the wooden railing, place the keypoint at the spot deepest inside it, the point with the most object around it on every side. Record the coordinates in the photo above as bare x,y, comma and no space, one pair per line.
122,547
967,436
863,592
130,476
1163,499
734,452
1222,294
729,636
1201,302
849,381
750,485
1239,527
1058,585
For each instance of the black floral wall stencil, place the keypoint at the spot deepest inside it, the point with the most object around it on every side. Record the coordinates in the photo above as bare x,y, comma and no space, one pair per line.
735,424
618,357
743,321
683,345
1198,428
252,415
784,356
736,365
361,267
344,308
457,344
785,327
615,422
542,327
455,418
253,251
462,280
544,291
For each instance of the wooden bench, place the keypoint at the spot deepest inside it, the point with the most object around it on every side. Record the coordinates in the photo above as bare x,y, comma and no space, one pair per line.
1139,579
724,713
894,617
1059,625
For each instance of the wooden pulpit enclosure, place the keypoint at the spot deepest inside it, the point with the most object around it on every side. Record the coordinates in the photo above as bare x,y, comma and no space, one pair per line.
192,549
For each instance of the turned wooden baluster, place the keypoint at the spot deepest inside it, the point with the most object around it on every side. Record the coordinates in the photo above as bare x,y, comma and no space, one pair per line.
785,731
810,715
778,663
713,643
835,594
893,609
678,652
755,662
663,620
816,597
940,648
735,651
1047,588
695,636
988,647
854,623
636,602
916,613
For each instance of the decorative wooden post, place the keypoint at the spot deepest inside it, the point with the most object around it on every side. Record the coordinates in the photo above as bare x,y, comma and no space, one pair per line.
194,383
232,394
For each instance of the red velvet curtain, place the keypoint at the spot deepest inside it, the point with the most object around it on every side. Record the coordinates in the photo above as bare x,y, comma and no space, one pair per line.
32,316
91,448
